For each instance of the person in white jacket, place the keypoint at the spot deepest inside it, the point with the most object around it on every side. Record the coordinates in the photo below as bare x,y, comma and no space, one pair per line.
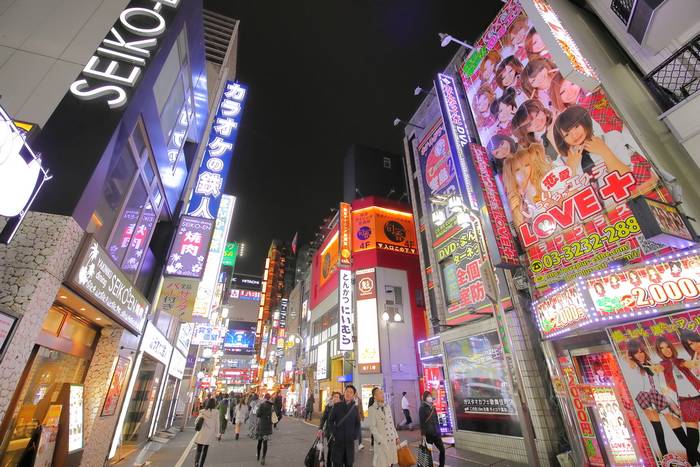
381,425
241,415
208,433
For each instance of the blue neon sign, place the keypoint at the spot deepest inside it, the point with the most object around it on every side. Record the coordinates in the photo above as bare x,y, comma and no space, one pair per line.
211,178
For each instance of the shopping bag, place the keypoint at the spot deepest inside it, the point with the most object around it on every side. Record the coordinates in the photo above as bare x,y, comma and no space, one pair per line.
406,457
275,419
198,423
425,457
311,456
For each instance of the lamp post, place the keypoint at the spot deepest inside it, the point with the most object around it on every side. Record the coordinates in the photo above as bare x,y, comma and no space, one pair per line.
388,319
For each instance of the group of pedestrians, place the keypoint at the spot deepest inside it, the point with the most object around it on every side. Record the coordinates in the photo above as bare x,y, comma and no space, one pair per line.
261,415
341,423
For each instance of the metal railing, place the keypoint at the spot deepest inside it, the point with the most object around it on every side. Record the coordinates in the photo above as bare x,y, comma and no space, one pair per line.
678,77
623,9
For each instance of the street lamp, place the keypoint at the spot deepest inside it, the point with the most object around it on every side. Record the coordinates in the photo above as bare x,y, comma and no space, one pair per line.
398,121
445,40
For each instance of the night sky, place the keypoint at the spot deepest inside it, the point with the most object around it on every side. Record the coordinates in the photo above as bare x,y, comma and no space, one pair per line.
323,75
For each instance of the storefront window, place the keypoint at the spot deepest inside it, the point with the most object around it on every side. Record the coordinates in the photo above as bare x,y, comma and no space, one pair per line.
49,370
126,227
143,401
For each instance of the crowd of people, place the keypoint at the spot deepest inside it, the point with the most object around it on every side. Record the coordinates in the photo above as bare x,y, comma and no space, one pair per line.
340,426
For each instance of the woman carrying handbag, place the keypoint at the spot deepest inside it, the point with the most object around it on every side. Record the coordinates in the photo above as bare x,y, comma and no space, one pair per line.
207,427
381,425
429,427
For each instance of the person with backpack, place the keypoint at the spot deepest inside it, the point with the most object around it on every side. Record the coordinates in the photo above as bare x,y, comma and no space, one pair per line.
345,421
324,428
240,416
429,427
265,421
207,427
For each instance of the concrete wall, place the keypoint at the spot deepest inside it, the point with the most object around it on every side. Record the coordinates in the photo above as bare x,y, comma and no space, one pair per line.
43,47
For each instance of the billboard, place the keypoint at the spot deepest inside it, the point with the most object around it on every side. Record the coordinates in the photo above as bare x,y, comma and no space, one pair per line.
230,254
208,189
177,297
240,338
368,356
658,358
346,315
565,160
345,234
328,259
189,249
481,397
380,228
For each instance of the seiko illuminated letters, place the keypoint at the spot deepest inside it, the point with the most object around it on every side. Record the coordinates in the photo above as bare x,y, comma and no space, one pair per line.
119,61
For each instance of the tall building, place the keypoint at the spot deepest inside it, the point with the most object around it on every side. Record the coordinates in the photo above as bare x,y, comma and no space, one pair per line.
502,189
372,172
119,100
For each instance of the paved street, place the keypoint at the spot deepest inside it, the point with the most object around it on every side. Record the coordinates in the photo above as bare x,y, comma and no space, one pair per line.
287,448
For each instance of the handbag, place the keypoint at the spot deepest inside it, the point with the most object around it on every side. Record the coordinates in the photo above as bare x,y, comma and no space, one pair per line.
405,456
199,423
425,457
310,459
275,418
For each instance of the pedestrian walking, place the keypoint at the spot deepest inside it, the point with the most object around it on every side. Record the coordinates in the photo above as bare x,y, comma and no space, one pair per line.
406,407
264,432
240,416
223,412
429,427
208,432
324,428
370,404
381,425
278,407
358,402
253,416
344,420
309,407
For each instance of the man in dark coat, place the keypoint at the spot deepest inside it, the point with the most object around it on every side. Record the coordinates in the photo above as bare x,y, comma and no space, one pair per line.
278,407
324,428
345,422
309,407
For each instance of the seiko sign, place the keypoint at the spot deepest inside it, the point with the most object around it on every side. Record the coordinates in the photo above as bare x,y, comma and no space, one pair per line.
122,56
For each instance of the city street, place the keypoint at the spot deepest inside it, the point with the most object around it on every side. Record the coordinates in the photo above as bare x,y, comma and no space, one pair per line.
288,448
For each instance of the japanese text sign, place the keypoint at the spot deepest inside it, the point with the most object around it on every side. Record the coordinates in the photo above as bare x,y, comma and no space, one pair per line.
189,251
345,234
346,318
384,229
177,297
230,254
211,178
368,357
561,311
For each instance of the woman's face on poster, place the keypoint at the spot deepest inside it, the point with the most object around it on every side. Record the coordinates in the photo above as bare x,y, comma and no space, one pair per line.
518,36
568,92
694,346
666,350
537,43
487,73
482,104
505,113
502,151
538,122
522,174
640,356
575,136
541,80
508,76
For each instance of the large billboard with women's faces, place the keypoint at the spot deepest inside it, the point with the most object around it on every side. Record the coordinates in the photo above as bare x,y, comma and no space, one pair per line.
660,361
564,158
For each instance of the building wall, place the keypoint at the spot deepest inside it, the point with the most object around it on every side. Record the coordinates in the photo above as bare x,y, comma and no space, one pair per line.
32,268
43,47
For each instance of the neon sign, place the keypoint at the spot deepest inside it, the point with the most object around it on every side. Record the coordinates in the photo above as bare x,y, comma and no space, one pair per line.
561,311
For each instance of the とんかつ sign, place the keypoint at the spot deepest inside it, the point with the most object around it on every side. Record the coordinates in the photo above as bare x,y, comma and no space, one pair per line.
347,317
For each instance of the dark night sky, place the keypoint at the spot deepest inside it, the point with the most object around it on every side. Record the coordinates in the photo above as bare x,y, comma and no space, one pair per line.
323,75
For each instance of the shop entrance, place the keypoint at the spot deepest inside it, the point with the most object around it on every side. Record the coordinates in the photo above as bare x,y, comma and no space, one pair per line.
603,409
142,404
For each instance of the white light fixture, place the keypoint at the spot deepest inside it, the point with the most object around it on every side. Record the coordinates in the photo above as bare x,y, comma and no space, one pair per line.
385,316
463,219
445,40
63,297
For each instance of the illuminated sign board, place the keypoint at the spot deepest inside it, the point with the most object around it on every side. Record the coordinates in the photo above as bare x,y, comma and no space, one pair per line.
242,294
243,282
368,356
658,285
566,54
572,218
345,234
383,229
505,243
207,286
230,254
207,193
122,56
240,338
177,297
328,258
75,418
561,311
207,335
177,365
155,344
190,248
21,176
99,280
662,223
346,320
322,361
430,348
184,337
458,136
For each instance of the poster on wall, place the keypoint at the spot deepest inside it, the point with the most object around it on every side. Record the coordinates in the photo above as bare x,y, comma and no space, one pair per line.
565,160
481,396
660,361
115,387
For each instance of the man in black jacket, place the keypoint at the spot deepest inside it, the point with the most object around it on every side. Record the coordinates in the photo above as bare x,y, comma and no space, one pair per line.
324,428
345,422
429,426
278,407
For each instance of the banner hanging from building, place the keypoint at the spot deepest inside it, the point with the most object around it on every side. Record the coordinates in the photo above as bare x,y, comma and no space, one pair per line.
565,160
368,356
346,319
345,235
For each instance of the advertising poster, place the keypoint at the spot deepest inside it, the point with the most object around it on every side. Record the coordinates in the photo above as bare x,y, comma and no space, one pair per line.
658,285
566,161
383,229
329,260
115,387
240,338
368,356
190,248
177,297
563,310
435,383
75,418
660,361
482,399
